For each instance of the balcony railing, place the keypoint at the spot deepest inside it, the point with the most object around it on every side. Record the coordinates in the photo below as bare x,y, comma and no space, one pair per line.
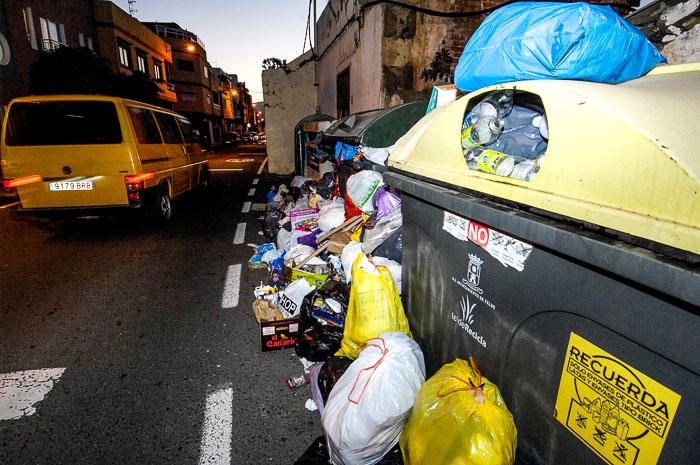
49,45
166,31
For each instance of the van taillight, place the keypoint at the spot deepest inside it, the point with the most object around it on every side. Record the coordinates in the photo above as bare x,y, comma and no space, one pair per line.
23,181
137,182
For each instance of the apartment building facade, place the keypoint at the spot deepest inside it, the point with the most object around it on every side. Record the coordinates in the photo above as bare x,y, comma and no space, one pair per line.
29,27
191,75
131,47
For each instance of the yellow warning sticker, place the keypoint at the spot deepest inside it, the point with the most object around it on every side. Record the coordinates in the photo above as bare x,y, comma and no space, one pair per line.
620,413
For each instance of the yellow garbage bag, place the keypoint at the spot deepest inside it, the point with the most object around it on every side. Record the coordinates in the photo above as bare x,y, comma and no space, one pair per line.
374,307
459,418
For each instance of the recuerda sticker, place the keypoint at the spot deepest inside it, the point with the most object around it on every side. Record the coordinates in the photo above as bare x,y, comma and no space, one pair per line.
620,413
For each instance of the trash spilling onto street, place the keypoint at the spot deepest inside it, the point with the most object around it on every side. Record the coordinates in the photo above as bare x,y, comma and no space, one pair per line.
333,256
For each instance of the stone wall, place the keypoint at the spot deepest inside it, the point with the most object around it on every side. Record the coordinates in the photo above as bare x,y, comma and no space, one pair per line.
289,95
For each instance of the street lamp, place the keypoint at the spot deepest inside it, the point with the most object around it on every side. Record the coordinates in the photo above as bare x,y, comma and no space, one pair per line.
190,48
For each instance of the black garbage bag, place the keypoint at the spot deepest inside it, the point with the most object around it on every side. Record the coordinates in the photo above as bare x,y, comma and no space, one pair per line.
330,373
392,247
316,454
318,343
326,306
325,185
271,222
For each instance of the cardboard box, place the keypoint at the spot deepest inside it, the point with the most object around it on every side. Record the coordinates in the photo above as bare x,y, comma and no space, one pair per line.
278,334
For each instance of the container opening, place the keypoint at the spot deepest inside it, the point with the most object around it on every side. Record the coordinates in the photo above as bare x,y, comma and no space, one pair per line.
505,133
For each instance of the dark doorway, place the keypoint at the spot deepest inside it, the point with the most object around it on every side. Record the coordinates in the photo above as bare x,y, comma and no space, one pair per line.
343,93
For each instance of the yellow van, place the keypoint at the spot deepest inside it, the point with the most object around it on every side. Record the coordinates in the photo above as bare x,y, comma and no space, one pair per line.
88,154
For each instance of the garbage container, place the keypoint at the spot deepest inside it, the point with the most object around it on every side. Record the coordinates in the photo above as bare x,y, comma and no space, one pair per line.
373,128
306,158
577,292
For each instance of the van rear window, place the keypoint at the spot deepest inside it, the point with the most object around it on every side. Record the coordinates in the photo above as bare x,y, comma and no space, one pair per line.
63,123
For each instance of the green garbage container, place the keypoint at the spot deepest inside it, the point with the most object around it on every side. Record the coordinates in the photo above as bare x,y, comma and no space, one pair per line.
373,128
577,292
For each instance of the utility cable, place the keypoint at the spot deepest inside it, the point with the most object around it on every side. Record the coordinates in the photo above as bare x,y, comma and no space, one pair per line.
442,14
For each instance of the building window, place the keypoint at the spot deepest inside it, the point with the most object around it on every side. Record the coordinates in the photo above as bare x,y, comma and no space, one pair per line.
81,39
185,65
124,54
157,73
205,70
29,27
5,53
53,35
89,43
141,62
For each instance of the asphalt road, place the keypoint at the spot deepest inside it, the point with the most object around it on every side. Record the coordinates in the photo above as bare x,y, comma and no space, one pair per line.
116,346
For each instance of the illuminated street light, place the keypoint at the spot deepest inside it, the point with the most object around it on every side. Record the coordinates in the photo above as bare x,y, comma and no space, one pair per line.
190,48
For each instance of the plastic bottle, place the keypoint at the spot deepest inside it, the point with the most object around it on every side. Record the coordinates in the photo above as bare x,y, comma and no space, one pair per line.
491,161
298,381
498,103
483,132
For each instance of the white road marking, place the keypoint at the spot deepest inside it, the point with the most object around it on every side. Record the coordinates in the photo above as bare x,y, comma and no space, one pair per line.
232,287
216,435
251,192
239,237
21,390
246,207
255,181
239,160
262,167
9,205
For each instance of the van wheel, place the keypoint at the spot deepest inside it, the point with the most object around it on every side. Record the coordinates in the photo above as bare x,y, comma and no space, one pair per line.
163,207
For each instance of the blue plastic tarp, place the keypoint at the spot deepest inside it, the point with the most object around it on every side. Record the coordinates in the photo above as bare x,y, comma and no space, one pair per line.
543,40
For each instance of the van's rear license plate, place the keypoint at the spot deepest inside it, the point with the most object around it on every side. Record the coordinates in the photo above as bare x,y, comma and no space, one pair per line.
70,186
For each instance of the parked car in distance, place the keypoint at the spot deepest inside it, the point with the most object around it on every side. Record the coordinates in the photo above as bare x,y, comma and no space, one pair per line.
73,155
231,138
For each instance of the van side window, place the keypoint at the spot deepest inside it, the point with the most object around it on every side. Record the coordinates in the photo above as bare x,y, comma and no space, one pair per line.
63,123
169,129
187,132
145,126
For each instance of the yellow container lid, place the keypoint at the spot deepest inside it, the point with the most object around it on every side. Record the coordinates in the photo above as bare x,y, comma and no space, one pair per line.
624,157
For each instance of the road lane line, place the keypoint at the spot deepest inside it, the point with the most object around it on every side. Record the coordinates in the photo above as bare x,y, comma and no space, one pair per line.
239,237
255,181
216,434
225,169
232,287
251,192
9,205
262,167
246,207
21,390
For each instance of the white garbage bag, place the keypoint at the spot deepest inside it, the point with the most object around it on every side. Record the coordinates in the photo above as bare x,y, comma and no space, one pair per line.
361,188
370,404
348,256
291,298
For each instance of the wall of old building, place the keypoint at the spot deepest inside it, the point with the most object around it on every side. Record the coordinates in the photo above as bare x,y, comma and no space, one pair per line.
350,40
289,96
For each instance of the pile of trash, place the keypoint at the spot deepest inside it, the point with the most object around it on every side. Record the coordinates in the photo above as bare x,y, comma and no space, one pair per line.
503,138
333,258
